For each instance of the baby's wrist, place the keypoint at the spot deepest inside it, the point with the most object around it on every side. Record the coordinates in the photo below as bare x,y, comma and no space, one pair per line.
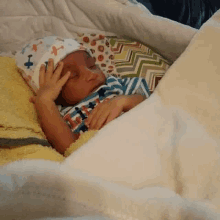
131,101
43,100
126,103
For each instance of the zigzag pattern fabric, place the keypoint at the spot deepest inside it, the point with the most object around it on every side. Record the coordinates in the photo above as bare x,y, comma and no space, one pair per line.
133,59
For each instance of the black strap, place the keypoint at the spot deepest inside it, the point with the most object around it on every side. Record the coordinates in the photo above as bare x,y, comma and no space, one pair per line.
13,143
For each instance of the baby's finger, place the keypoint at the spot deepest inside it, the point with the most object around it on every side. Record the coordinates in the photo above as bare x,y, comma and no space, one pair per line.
58,71
114,114
101,120
99,117
49,71
92,114
42,75
63,80
110,118
89,119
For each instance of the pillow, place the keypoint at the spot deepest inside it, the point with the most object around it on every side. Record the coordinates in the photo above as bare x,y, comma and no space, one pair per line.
133,59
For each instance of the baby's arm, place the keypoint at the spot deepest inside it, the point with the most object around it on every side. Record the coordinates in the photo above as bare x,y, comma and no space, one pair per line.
108,110
55,128
132,101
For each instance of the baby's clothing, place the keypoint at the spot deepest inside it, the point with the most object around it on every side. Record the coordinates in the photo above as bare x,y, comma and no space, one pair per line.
76,115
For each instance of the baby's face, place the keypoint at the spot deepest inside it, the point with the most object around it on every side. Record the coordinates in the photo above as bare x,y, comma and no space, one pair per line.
84,79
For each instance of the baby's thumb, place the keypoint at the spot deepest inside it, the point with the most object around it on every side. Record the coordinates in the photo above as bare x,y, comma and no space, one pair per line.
32,99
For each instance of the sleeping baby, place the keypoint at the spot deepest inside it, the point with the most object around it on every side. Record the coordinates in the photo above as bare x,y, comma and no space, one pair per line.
74,95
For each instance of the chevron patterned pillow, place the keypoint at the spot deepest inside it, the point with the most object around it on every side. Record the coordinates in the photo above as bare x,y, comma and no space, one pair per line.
133,59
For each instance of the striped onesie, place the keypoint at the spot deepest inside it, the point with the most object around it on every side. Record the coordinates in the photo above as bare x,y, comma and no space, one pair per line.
76,115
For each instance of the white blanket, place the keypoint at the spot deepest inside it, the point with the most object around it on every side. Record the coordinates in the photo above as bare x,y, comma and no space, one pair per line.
158,161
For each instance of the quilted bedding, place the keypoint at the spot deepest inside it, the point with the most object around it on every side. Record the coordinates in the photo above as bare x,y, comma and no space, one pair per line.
158,161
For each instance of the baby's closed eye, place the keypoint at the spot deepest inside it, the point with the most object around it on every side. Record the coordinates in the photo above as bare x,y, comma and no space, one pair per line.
73,75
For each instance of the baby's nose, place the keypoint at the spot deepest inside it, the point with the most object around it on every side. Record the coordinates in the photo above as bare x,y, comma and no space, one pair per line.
91,76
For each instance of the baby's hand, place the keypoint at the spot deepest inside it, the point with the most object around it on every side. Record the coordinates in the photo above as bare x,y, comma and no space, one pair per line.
105,112
50,82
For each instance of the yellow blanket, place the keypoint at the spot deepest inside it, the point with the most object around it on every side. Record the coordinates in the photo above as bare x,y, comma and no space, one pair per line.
19,123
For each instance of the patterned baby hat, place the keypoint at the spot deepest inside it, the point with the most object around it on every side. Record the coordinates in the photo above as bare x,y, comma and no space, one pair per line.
39,51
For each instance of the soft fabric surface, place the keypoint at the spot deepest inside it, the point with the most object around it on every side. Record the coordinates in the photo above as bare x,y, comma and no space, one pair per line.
18,119
29,152
85,137
20,133
159,160
167,37
33,151
40,189
78,218
133,59
171,139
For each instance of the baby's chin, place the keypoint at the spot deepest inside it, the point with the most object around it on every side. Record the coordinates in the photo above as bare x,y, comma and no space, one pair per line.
103,78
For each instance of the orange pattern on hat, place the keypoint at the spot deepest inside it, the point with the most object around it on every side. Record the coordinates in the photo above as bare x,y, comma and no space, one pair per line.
56,49
35,46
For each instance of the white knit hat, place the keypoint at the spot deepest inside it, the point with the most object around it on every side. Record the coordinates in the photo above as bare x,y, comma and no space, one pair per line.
39,51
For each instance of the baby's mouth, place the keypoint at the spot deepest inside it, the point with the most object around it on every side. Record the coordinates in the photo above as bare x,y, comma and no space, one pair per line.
95,88
93,67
